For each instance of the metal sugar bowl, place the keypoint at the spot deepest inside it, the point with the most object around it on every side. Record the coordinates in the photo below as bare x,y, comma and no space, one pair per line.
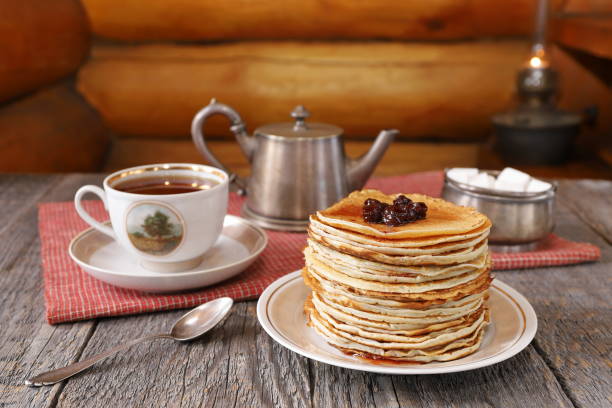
521,220
297,167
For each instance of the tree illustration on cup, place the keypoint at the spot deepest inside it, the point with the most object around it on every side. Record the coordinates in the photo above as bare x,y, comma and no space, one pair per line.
154,229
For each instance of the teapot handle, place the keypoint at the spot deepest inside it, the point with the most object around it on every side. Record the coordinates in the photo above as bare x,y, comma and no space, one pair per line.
245,141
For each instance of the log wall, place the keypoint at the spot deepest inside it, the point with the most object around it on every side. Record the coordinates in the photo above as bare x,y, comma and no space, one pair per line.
425,90
294,19
40,42
52,130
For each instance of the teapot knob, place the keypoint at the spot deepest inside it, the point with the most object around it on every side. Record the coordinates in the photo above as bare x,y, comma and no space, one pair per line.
300,113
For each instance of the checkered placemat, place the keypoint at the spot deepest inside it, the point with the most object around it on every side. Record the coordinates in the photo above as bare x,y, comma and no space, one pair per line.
71,294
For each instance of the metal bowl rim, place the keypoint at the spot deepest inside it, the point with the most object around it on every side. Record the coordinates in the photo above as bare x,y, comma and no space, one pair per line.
508,196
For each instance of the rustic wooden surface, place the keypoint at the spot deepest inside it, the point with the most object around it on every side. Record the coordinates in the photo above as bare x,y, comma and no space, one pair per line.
238,365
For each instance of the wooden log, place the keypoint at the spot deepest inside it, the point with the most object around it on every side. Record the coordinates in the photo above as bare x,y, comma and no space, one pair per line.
581,89
339,19
53,130
592,35
586,7
40,42
425,90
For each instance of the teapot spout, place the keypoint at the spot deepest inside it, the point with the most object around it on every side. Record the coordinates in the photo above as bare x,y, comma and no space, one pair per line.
360,169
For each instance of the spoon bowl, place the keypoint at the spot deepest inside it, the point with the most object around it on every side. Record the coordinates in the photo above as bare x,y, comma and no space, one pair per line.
198,321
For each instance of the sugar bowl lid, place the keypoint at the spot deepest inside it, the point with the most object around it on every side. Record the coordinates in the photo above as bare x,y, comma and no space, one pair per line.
299,129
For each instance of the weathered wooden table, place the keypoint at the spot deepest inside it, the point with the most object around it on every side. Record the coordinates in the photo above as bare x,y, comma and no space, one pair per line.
238,365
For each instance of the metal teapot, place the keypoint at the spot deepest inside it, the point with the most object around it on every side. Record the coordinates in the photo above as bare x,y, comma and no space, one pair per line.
297,167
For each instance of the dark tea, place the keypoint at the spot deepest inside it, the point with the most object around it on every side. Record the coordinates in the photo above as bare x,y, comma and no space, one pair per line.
165,185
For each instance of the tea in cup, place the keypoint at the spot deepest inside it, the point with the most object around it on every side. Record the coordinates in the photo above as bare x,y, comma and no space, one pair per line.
166,215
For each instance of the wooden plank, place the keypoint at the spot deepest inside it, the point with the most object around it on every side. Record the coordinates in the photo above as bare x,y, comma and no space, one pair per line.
234,19
41,41
239,365
29,345
401,158
234,365
573,308
523,381
591,200
445,90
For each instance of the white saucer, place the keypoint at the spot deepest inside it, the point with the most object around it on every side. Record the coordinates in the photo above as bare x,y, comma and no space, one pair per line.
280,312
100,256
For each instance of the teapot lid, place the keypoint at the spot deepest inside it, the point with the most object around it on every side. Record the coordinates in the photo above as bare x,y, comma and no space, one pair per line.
299,129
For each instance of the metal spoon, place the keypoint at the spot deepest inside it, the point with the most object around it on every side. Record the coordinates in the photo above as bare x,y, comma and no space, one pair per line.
190,326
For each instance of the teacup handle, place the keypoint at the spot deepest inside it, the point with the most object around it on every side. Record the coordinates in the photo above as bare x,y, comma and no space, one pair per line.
105,229
246,142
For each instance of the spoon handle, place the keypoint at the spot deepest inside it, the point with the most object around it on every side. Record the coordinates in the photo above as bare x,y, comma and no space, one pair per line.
57,375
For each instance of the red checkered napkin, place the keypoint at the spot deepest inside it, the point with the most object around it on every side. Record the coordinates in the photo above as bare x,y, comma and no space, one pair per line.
71,294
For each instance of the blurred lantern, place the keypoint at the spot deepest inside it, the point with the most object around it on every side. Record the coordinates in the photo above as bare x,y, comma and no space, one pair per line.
536,131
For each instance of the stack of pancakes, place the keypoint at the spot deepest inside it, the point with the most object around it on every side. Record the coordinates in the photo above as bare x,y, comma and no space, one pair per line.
413,293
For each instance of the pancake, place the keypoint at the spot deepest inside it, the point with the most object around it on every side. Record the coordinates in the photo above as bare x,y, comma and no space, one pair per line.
322,271
473,285
386,321
466,326
446,258
334,257
354,237
434,249
443,217
450,347
415,293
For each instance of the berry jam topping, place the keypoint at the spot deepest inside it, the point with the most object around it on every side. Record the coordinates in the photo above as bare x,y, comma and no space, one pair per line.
402,199
402,211
373,211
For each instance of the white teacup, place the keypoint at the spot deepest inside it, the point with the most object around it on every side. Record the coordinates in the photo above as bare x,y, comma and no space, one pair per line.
167,215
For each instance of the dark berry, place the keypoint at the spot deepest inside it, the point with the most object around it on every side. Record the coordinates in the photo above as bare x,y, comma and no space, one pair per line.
373,210
402,211
402,199
420,208
391,218
371,203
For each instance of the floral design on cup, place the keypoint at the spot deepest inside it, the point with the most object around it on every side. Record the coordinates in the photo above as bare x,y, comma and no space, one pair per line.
154,228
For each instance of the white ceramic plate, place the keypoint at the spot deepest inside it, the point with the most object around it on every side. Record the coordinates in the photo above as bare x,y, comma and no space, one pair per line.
239,245
280,312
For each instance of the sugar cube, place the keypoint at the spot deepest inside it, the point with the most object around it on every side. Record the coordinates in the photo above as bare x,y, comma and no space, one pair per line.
508,186
512,180
537,186
482,180
462,174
